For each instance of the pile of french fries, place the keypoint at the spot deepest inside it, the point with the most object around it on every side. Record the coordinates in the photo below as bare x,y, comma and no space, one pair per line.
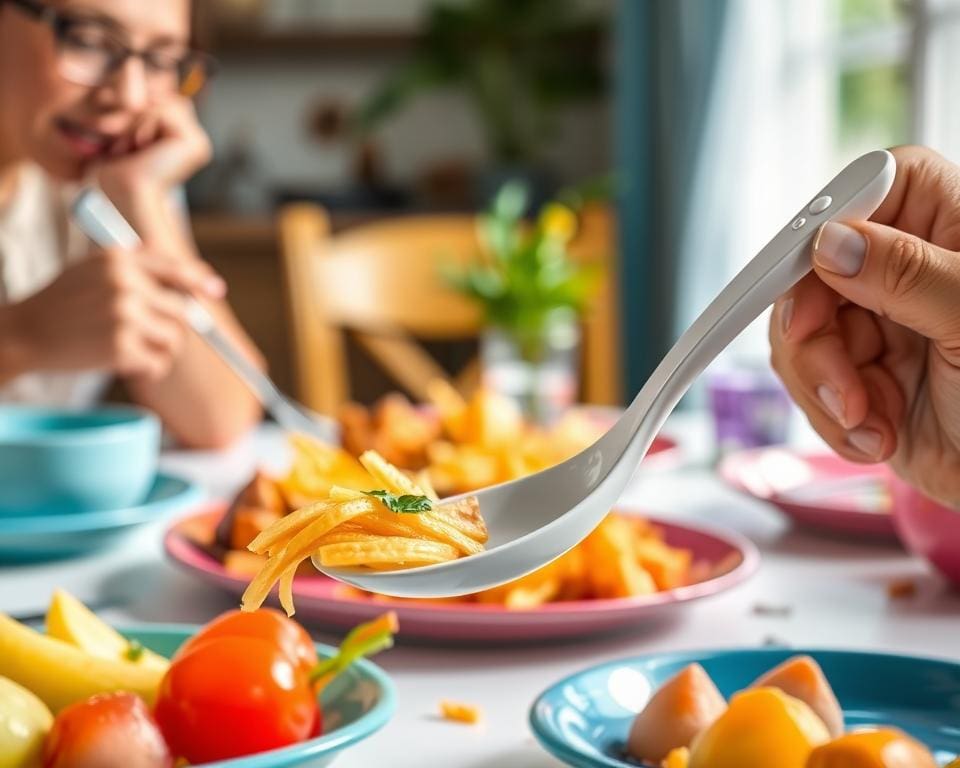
463,444
624,557
457,445
353,527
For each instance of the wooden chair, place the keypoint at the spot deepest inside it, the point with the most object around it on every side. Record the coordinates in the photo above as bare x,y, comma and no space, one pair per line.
382,283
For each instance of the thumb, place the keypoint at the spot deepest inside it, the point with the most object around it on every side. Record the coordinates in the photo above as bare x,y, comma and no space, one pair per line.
894,274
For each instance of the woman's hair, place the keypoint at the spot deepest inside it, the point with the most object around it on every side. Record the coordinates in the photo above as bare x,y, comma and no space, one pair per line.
201,24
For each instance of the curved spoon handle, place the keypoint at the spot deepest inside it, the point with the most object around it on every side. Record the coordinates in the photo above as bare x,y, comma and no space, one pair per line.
854,194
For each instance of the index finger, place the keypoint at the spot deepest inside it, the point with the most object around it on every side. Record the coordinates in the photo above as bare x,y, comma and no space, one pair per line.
925,197
188,275
807,309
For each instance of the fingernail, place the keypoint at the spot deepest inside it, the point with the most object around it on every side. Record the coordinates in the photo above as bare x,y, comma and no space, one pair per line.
867,441
831,401
215,287
839,249
786,316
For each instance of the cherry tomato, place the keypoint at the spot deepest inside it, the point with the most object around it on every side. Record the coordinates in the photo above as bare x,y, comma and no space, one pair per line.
267,624
234,696
110,730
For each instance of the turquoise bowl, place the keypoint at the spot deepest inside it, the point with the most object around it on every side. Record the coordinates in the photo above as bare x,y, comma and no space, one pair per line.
584,719
355,705
55,461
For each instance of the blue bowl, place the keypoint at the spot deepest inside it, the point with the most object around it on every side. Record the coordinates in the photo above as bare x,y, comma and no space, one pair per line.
355,705
55,461
584,719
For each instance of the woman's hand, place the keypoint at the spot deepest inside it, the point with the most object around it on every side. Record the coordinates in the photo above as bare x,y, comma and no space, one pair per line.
165,149
116,310
869,345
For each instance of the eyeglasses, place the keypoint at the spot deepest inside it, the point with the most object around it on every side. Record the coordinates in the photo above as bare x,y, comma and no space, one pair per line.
89,52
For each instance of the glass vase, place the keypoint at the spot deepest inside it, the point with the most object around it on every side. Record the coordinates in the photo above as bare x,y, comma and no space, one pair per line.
539,372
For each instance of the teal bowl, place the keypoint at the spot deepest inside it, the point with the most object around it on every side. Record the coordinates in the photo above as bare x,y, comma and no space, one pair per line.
355,705
584,719
55,461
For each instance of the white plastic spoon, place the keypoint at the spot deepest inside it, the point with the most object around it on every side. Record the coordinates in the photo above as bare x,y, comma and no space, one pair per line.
537,518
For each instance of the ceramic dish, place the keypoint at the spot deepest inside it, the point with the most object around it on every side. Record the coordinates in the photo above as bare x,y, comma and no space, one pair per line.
817,490
55,461
584,719
356,705
42,537
321,599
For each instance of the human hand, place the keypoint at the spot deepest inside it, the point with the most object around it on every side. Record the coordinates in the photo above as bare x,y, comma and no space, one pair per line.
164,150
869,344
116,310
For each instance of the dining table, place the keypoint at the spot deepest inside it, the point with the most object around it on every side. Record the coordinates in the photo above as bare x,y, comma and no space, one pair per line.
811,590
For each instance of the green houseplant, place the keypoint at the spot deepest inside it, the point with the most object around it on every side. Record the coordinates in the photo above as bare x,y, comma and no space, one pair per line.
518,62
533,295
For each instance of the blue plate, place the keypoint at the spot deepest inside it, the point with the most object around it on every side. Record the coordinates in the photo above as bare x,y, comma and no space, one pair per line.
355,705
33,537
584,719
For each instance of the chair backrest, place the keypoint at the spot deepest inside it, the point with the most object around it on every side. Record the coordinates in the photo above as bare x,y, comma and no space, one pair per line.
383,282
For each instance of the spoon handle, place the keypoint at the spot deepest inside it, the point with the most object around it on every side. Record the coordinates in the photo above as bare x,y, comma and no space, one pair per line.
854,194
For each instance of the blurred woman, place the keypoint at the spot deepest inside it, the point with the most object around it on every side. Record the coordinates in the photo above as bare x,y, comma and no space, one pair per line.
98,91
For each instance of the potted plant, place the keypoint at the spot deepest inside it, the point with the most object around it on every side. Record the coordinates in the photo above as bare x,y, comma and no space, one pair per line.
519,62
533,296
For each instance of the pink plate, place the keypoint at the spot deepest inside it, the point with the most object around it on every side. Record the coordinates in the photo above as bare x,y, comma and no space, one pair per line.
321,599
820,490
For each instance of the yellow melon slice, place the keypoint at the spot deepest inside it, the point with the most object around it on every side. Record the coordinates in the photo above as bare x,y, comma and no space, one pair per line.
762,728
802,678
683,707
872,748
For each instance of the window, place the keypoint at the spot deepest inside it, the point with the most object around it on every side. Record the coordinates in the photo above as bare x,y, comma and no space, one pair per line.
805,86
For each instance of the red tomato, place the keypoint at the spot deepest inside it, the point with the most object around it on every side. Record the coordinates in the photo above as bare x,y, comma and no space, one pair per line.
110,730
267,624
234,696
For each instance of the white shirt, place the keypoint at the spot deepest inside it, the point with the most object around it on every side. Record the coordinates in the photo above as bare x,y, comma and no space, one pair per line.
37,241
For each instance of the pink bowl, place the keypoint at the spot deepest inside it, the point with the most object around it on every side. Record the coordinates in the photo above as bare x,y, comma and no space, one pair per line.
927,528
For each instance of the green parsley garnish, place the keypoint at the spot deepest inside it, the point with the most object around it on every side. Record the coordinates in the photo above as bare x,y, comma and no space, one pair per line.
405,504
134,651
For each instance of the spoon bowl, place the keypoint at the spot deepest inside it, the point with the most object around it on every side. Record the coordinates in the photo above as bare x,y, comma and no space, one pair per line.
535,519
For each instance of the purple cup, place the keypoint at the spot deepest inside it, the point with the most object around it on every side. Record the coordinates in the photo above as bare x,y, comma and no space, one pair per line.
750,408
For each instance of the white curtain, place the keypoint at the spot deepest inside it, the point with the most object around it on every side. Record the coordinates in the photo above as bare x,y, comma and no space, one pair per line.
767,148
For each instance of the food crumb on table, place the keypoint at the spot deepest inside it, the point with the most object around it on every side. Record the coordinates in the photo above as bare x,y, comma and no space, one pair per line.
459,712
901,588
772,610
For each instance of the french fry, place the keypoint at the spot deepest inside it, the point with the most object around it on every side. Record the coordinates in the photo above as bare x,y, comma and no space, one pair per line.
451,406
615,571
388,475
386,523
286,590
339,536
422,478
288,525
668,565
298,548
460,713
339,493
434,527
392,550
